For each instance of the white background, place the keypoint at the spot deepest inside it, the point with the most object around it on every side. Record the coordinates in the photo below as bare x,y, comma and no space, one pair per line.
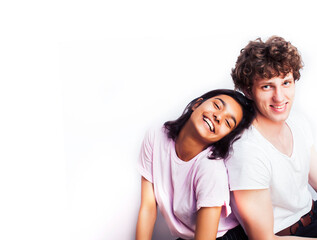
81,82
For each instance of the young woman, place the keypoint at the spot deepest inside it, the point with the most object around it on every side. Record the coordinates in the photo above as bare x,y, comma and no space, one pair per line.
183,171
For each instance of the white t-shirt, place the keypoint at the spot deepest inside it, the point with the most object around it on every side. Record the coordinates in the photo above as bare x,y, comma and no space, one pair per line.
182,188
257,164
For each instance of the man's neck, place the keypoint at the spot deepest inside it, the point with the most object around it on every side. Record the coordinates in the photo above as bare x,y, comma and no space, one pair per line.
277,133
267,126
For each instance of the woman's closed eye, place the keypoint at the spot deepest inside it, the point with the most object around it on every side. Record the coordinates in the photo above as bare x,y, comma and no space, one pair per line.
228,123
216,106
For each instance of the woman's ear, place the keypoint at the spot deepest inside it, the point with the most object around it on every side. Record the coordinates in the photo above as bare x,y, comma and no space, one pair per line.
197,103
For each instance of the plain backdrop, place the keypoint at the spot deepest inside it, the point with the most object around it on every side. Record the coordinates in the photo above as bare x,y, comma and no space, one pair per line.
81,82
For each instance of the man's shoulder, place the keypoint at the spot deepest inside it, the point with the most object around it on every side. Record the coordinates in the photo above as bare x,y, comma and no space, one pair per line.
301,128
298,119
251,146
250,138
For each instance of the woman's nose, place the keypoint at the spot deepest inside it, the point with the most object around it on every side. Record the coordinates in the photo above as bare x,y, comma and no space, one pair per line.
217,117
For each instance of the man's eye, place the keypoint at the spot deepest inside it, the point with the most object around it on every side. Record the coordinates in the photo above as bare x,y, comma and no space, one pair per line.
265,87
287,83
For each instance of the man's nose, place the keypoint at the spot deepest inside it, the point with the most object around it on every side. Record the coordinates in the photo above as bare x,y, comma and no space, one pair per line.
278,94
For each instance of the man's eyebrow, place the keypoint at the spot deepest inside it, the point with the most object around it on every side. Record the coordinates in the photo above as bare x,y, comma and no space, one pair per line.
265,81
288,78
288,75
225,104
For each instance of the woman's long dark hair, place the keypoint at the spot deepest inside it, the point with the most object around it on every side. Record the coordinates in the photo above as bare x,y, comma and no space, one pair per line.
221,148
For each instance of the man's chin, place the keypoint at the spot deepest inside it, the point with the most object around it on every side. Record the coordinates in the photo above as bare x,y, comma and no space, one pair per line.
274,118
281,118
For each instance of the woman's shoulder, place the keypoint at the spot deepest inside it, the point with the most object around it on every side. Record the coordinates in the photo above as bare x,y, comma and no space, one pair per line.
204,164
211,172
156,134
155,130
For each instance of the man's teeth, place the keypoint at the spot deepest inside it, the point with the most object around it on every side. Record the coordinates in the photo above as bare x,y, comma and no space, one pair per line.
211,126
279,107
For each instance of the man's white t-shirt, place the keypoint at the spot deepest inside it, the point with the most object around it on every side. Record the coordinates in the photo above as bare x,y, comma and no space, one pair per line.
256,164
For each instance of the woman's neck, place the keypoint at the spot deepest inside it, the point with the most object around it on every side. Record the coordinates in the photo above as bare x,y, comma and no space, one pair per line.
187,145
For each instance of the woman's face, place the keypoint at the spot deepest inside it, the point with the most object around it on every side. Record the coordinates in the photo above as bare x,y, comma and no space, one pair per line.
216,117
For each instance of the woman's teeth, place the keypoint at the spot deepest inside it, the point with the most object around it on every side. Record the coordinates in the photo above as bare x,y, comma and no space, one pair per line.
211,126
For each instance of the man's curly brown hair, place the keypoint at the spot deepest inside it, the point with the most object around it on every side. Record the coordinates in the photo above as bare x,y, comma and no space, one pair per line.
273,58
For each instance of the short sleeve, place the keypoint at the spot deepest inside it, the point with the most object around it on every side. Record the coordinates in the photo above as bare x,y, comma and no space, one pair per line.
211,185
248,168
145,162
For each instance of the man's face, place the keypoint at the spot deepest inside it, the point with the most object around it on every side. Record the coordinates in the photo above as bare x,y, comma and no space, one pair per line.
274,97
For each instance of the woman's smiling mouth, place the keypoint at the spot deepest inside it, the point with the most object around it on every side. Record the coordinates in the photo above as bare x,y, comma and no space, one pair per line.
211,126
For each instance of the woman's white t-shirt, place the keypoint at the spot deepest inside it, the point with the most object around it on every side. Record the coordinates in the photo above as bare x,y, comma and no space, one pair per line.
182,188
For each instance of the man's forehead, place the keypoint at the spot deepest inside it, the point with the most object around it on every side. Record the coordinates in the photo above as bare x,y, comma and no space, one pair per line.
288,76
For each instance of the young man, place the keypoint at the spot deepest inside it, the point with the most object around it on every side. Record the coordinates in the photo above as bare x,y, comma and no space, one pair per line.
274,161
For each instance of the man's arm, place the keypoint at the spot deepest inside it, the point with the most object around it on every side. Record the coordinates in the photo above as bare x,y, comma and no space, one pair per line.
255,209
207,223
313,169
147,212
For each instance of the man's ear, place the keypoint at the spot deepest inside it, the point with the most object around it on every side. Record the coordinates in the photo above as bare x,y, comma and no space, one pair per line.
248,93
197,103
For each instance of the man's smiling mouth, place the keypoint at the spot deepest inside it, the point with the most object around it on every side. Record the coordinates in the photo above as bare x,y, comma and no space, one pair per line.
279,108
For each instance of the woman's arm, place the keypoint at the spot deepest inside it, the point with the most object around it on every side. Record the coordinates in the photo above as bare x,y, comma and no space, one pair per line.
207,223
147,212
